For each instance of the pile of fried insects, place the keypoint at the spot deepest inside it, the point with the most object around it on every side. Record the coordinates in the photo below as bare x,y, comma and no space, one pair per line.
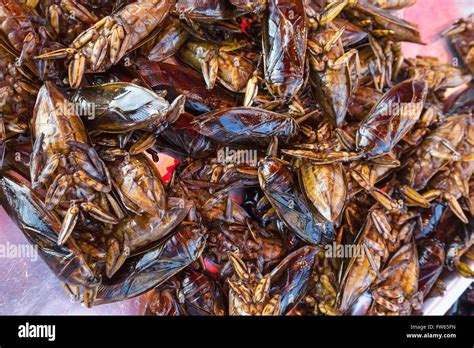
233,157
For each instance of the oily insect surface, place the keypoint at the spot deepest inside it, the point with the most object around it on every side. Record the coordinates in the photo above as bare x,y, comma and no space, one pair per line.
214,155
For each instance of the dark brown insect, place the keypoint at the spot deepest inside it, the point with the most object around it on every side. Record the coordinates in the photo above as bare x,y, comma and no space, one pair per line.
149,176
284,47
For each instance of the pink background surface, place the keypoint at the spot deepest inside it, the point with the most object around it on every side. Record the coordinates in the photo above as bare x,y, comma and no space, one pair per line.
29,287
